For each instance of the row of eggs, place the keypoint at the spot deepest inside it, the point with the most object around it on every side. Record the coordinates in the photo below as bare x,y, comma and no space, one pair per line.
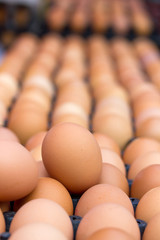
68,157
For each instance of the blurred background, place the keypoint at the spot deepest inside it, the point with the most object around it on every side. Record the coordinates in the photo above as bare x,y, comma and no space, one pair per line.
127,18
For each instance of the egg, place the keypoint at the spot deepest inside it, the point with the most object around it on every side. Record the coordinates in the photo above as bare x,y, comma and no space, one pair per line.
113,158
152,230
112,175
3,224
42,172
43,211
17,166
72,156
148,205
138,147
116,127
102,193
7,134
35,140
5,206
150,128
110,233
36,152
107,215
51,189
142,162
105,141
145,180
39,231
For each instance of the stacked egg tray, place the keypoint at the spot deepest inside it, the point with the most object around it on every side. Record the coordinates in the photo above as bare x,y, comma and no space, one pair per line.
111,18
110,87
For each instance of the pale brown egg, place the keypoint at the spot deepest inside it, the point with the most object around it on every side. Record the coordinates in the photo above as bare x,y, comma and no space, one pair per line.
148,205
37,153
145,180
39,231
152,230
42,172
43,211
72,156
51,189
112,175
26,124
107,215
105,141
17,166
111,233
3,224
7,135
35,140
150,128
115,127
108,156
138,147
142,162
102,193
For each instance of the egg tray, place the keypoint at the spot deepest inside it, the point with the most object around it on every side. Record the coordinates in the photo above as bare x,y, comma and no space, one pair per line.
74,219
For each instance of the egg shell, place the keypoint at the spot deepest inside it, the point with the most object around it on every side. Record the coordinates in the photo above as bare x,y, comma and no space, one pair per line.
39,231
107,215
112,175
7,134
17,166
102,193
42,172
148,205
36,153
108,156
115,127
142,162
2,220
138,147
145,180
49,188
105,141
152,230
43,211
110,233
150,128
28,123
35,140
72,156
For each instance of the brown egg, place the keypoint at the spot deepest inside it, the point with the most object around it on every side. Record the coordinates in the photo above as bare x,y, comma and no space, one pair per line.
26,124
113,158
150,128
152,230
2,220
51,189
142,162
72,118
138,147
112,175
145,180
72,156
105,141
110,233
102,193
148,205
39,231
107,215
17,166
43,211
7,134
42,172
115,127
36,153
35,140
